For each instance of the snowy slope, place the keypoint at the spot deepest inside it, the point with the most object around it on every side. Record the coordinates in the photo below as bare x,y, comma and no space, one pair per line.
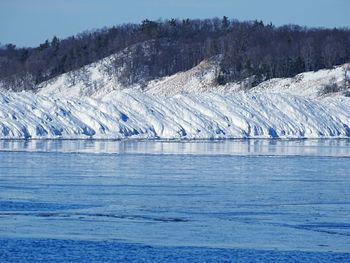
100,78
92,80
129,113
97,80
200,79
91,103
308,84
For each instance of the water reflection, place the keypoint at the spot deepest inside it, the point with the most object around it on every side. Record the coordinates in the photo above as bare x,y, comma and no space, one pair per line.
339,148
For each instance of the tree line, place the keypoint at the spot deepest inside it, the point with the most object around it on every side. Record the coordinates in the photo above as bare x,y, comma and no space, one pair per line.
154,49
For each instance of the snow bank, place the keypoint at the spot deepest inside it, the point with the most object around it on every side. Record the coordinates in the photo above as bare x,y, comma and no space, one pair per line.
134,114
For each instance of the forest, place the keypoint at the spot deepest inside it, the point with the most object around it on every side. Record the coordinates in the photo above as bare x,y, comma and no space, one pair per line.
155,49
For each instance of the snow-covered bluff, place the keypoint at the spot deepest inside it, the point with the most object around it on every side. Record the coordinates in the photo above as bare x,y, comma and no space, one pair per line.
187,105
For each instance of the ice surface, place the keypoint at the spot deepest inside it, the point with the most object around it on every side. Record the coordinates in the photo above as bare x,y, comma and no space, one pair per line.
212,201
240,147
27,250
220,201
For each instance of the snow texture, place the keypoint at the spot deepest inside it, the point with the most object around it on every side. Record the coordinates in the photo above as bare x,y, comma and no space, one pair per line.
187,105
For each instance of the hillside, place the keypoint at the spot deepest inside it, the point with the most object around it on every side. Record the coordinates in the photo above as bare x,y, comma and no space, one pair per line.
190,79
97,79
186,105
159,49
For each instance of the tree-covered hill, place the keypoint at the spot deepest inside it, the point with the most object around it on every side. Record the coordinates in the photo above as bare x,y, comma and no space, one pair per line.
154,49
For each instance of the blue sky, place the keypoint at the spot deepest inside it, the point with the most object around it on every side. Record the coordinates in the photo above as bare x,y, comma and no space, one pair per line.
30,22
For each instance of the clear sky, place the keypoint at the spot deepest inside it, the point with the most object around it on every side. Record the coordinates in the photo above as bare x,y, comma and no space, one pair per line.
30,22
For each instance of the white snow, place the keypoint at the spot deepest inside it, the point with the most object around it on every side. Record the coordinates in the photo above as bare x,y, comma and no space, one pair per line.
92,80
200,79
187,105
96,80
308,84
134,114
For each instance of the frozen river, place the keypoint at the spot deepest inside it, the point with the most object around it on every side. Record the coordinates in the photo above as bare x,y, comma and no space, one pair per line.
194,201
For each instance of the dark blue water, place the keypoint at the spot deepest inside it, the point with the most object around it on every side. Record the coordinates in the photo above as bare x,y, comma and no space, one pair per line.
105,201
